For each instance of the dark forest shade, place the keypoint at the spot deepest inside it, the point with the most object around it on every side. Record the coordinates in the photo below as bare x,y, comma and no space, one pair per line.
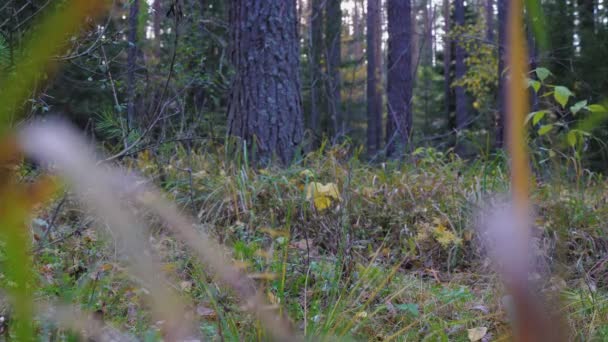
399,76
374,99
265,103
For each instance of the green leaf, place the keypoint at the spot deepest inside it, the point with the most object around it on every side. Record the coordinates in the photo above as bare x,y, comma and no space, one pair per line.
578,106
410,308
534,84
561,95
596,108
542,73
419,150
544,129
572,137
536,116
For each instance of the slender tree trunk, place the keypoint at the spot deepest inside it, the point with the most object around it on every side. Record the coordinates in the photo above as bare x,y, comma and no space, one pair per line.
316,42
265,107
501,121
427,48
358,28
334,60
374,100
447,57
399,77
461,99
156,20
132,63
489,20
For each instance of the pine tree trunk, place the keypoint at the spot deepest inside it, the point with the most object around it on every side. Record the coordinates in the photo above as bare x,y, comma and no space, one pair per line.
265,107
399,77
374,100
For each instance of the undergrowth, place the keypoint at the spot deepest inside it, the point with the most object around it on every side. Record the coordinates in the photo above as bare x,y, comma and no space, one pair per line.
393,255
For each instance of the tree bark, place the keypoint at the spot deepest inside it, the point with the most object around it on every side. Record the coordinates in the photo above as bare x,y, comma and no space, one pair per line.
132,63
374,100
334,60
399,76
265,106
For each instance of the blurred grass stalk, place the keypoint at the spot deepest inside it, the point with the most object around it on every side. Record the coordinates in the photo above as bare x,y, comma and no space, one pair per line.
46,39
532,318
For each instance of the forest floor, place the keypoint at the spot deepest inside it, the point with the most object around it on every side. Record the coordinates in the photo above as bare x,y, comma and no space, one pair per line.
345,249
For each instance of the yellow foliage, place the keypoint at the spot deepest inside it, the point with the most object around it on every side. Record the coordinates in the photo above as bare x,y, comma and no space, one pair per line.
444,236
322,194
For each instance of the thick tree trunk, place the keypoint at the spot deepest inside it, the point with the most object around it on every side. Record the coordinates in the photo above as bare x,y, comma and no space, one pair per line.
334,60
461,98
132,63
374,99
501,121
399,77
265,106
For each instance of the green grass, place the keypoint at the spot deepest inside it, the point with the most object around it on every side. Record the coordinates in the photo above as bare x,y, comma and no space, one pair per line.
376,265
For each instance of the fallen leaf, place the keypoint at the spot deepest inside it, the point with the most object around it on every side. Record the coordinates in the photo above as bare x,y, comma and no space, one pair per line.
186,286
206,312
362,314
476,334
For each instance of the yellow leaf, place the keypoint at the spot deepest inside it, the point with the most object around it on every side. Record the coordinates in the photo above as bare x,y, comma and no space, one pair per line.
476,334
444,236
272,298
361,314
322,202
322,194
